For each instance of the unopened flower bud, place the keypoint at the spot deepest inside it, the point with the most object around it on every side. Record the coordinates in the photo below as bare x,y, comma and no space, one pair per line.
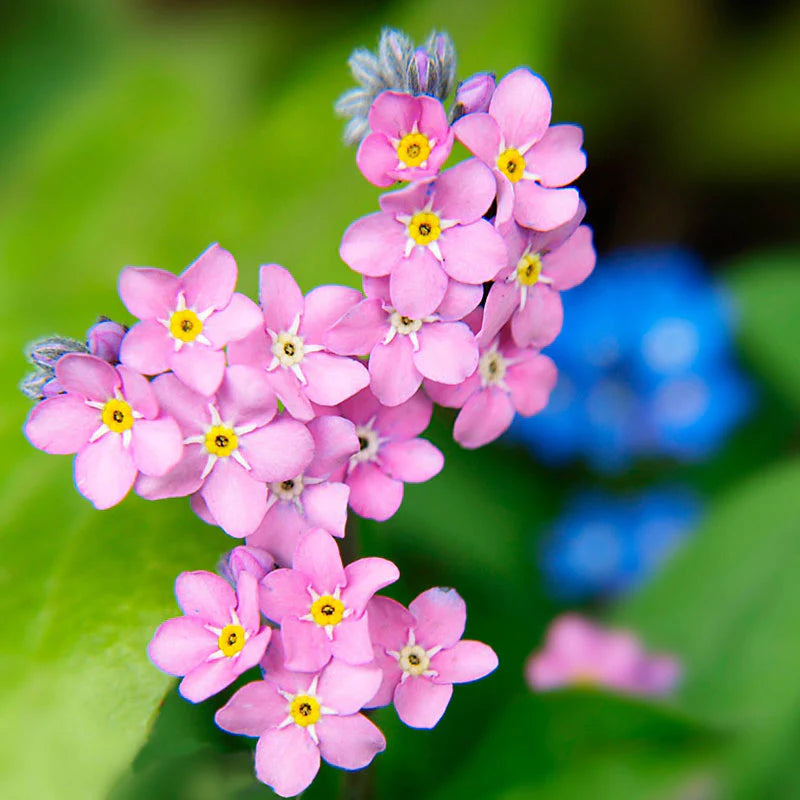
245,558
422,64
474,94
104,340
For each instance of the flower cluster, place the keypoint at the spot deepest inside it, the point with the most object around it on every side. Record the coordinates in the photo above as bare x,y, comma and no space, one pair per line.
274,418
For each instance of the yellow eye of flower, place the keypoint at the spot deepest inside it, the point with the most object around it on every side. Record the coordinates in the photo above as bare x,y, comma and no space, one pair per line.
117,416
221,440
305,710
327,610
185,325
414,149
231,640
529,268
511,163
424,227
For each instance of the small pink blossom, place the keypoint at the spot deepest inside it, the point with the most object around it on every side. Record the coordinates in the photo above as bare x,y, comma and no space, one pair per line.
104,340
422,655
311,499
410,139
186,320
111,419
321,605
290,346
530,158
508,380
475,93
578,652
219,637
245,558
389,454
300,718
427,236
540,266
402,350
233,445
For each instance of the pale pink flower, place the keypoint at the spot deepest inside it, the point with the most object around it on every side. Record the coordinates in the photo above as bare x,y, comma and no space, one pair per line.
508,380
311,499
427,236
422,655
186,320
578,652
528,156
402,350
390,454
321,605
540,266
111,419
410,139
233,445
289,344
219,637
300,717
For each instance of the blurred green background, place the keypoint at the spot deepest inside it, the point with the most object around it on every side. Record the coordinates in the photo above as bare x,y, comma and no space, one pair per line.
139,132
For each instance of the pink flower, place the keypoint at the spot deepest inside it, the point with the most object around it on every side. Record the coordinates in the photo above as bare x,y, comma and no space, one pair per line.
528,156
309,499
234,444
219,637
290,344
321,606
508,379
402,350
578,652
389,454
186,320
110,418
299,718
422,655
410,139
527,292
245,558
427,236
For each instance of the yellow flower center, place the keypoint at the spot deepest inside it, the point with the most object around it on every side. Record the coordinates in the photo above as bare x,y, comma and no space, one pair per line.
511,163
424,227
221,441
327,610
231,640
529,268
117,416
414,149
185,325
305,710
413,659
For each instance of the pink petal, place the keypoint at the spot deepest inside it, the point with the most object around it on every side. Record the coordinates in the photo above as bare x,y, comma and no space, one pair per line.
88,376
557,159
391,677
245,397
459,300
373,494
287,760
253,350
351,643
432,118
138,391
418,284
148,293
198,505
317,557
237,500
365,577
473,253
349,742
573,262
145,348
254,709
412,461
189,408
540,321
156,445
247,602
465,661
376,288
465,192
373,244
61,424
359,330
505,204
503,299
531,381
335,441
253,651
406,201
480,134
521,105
183,479
447,352
278,451
208,679
393,374
181,644
377,160
306,645
324,306
484,417
441,617
420,703
389,623
332,378
347,688
280,531
104,470
199,367
325,505
394,114
209,281
238,319
206,597
404,421
280,297
282,593
543,209
290,392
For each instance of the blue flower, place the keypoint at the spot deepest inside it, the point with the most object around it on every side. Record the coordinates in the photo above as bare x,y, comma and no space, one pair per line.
605,545
646,366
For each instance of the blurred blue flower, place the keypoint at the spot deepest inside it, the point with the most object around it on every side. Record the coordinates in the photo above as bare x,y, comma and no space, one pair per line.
645,365
604,545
